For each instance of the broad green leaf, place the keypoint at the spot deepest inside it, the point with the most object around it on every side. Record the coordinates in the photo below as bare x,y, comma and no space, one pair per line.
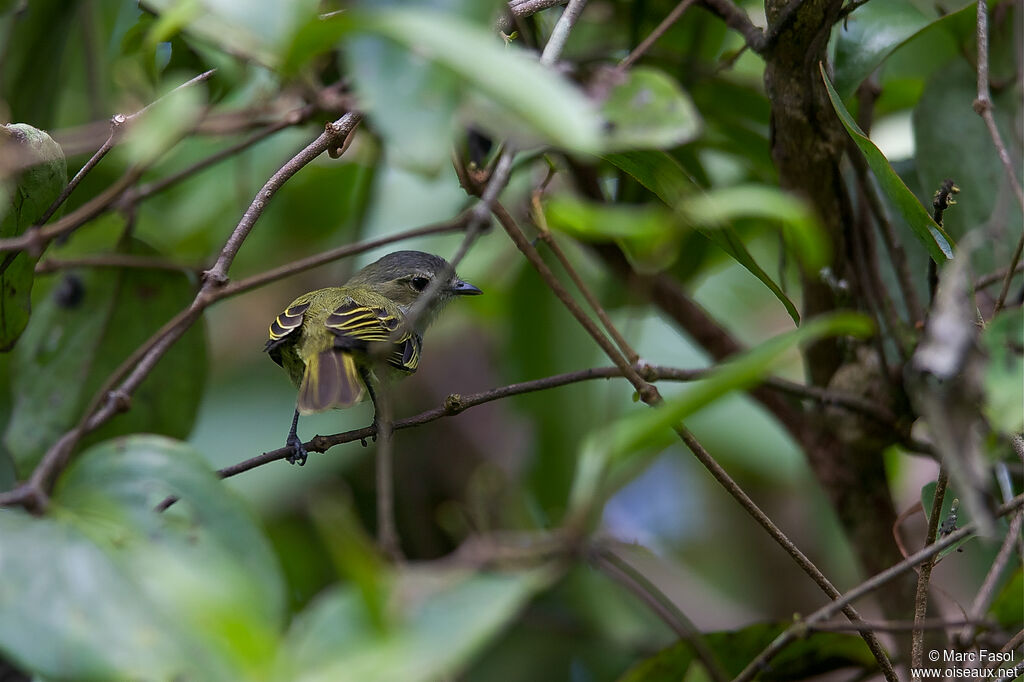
1003,340
107,587
611,455
871,34
526,92
817,654
90,322
25,198
68,611
662,175
442,618
256,29
932,236
649,110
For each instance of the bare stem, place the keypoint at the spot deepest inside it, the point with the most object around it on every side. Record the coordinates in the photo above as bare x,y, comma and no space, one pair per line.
658,31
924,575
987,591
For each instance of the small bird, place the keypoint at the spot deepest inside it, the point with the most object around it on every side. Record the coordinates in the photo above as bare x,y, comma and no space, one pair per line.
322,339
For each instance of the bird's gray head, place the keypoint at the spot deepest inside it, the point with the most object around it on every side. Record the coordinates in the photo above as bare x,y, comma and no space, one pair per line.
403,276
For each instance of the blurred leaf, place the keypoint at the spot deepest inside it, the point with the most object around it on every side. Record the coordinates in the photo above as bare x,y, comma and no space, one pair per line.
354,554
932,236
412,100
91,321
1006,608
165,123
442,618
948,522
33,65
69,612
817,654
610,456
257,29
526,90
649,110
109,588
1003,340
869,35
648,234
799,227
41,176
662,175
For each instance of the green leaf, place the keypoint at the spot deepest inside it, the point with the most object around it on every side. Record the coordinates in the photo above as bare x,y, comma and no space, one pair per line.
526,93
662,175
25,198
91,321
799,226
443,617
1003,340
1006,608
932,236
817,654
961,517
870,35
611,456
649,110
257,29
109,588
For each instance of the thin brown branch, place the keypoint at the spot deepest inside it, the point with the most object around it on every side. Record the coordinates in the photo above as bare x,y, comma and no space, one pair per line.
925,573
736,19
545,234
118,125
110,401
387,530
983,106
896,626
987,592
619,570
793,633
988,280
658,31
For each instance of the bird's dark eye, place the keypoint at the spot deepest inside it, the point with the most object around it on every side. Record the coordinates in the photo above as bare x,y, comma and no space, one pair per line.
419,283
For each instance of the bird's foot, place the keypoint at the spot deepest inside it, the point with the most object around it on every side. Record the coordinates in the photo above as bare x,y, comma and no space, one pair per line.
298,454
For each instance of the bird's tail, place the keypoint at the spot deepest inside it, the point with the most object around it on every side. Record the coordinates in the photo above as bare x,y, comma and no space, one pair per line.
331,380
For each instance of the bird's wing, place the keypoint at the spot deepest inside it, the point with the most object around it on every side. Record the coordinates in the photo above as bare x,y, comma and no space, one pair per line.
285,323
356,325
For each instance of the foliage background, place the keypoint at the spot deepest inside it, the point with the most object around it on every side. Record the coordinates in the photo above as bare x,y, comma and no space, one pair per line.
272,574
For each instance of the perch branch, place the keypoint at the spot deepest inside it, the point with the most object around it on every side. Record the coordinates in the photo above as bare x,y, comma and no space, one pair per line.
924,575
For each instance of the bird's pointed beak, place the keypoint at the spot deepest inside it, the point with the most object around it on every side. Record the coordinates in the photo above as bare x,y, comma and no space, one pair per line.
460,288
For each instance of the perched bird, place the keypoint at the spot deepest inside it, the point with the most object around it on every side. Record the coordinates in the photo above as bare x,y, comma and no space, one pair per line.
323,338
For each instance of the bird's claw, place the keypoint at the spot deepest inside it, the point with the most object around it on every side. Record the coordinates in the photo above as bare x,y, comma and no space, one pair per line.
298,454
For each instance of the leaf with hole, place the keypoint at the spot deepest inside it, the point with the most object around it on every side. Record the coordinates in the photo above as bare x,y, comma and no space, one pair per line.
81,332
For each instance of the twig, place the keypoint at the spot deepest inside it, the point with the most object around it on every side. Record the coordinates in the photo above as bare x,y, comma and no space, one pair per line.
636,582
149,189
983,106
850,8
112,401
545,234
897,626
867,587
736,19
118,124
387,530
658,31
560,33
987,592
924,575
988,280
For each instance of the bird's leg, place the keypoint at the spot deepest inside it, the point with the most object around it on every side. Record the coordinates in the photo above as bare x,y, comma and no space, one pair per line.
365,374
299,453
